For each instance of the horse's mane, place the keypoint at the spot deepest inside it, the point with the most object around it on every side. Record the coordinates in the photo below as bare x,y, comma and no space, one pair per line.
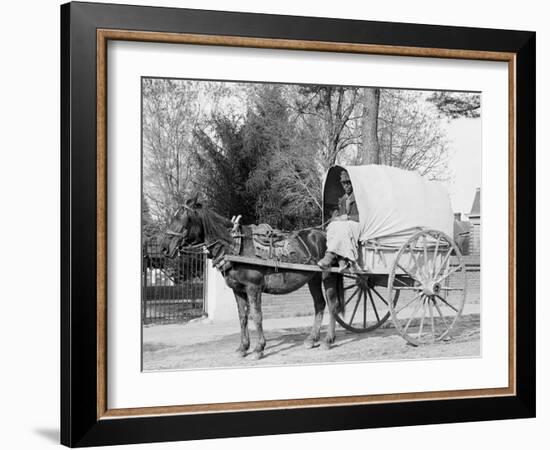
216,227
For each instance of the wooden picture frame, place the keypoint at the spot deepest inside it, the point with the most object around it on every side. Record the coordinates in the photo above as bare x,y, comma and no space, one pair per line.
85,416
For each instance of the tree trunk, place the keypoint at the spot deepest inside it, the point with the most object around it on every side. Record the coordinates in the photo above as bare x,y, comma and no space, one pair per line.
370,148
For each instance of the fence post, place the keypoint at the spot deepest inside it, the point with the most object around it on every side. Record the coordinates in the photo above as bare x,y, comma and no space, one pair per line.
143,286
204,284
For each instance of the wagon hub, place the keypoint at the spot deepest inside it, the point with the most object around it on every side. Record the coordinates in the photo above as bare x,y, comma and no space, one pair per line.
431,290
365,282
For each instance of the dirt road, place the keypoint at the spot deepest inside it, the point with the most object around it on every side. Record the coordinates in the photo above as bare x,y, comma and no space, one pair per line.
206,345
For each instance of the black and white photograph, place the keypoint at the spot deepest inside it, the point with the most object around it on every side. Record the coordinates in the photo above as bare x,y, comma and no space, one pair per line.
298,224
275,225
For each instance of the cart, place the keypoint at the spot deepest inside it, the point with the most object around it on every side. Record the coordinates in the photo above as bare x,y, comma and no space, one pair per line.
409,269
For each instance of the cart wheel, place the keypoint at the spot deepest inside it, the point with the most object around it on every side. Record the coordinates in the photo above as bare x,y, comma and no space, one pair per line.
431,276
366,307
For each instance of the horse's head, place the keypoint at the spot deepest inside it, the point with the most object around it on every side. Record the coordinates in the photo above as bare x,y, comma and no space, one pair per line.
186,228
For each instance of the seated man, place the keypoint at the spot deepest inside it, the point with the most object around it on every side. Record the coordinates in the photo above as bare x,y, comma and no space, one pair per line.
343,231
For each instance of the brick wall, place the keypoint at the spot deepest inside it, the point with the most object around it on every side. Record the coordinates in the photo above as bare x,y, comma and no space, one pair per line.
472,278
475,236
297,303
300,303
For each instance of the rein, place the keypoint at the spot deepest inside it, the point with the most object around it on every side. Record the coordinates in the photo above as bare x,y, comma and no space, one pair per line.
198,248
326,222
174,233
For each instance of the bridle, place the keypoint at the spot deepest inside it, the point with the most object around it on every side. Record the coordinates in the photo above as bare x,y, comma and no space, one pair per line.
175,233
192,248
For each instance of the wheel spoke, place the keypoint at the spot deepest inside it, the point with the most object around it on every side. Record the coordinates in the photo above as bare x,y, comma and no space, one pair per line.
443,262
432,318
441,315
404,306
406,271
400,281
414,258
413,255
418,336
445,301
373,306
350,286
364,310
435,255
379,296
355,309
412,315
425,245
352,295
426,268
450,272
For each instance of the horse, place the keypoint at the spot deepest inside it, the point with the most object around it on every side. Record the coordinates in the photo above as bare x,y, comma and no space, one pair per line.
199,227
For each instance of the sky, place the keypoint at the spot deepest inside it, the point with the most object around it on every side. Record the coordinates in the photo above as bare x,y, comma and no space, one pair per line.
464,162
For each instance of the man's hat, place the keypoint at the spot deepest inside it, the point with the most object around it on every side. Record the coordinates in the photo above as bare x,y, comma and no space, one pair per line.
344,176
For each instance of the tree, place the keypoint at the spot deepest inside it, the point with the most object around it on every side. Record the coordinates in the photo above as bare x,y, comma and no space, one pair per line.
171,109
148,225
297,189
410,134
225,164
261,150
284,180
370,148
259,164
455,105
328,113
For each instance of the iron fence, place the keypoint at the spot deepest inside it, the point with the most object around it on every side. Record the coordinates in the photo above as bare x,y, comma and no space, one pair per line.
173,289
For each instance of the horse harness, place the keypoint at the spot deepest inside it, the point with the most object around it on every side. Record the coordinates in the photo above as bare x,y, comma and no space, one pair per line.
268,243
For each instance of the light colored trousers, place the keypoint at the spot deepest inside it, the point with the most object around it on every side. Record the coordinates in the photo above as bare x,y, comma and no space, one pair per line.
342,238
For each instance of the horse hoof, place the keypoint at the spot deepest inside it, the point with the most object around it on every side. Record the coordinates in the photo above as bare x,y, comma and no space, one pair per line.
309,343
325,345
257,355
241,352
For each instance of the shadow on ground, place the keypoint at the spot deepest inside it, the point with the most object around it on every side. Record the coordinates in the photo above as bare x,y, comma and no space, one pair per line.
285,347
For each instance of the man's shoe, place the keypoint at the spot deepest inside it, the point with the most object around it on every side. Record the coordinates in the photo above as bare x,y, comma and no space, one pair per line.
343,264
327,262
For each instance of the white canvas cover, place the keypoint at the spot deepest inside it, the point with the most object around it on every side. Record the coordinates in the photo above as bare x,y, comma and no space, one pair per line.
392,202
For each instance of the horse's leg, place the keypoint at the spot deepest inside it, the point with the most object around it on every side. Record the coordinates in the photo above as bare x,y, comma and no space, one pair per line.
331,289
255,300
242,306
319,304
